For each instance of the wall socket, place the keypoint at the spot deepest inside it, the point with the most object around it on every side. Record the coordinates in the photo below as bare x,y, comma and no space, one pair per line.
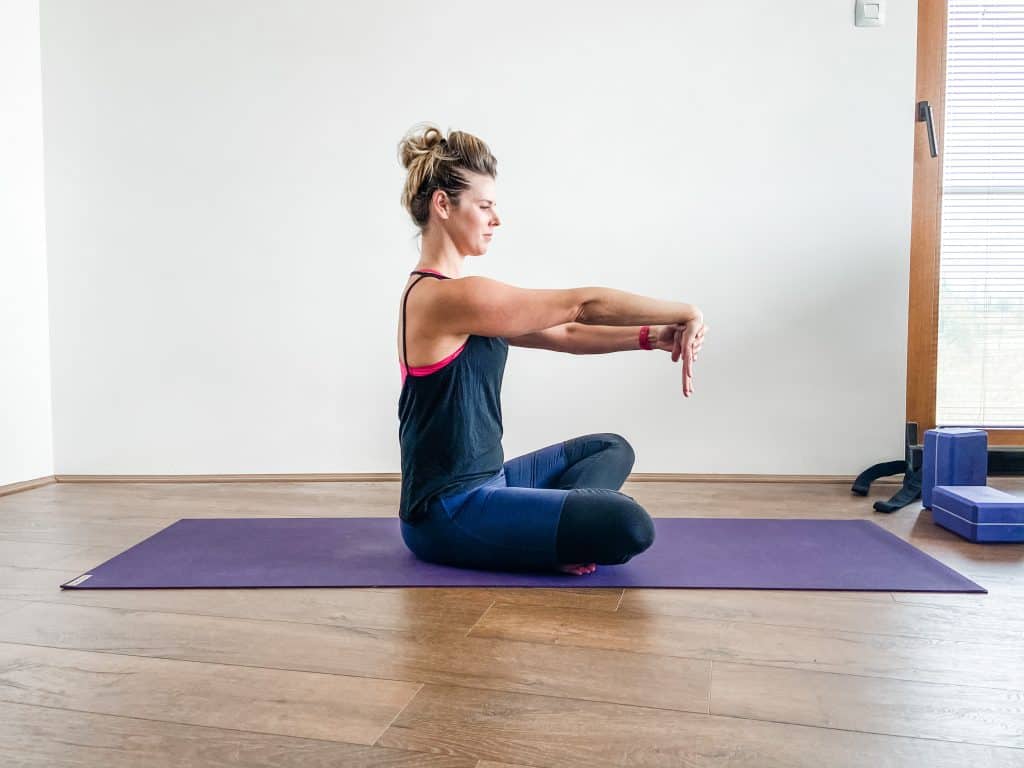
869,13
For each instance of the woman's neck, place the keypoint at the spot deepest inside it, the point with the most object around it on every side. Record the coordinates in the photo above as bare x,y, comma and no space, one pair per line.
439,253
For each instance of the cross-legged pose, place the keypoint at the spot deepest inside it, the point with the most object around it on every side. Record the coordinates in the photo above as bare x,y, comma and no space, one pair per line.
462,504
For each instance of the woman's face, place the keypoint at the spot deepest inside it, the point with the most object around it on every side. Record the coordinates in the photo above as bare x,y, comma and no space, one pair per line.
472,223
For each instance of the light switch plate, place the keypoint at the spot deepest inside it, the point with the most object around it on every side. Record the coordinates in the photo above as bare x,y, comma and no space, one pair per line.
869,13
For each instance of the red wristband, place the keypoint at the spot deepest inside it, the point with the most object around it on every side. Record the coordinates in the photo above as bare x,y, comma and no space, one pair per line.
645,341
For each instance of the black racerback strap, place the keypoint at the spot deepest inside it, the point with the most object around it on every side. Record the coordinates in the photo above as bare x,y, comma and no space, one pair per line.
405,299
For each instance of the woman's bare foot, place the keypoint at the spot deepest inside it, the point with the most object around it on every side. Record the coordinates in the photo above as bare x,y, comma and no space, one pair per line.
578,568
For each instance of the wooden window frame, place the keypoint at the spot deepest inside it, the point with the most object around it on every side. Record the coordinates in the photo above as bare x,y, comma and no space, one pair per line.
925,234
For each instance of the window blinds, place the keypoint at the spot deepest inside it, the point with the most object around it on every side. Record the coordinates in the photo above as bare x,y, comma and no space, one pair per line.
981,258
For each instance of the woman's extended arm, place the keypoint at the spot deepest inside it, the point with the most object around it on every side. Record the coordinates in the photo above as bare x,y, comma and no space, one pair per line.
610,306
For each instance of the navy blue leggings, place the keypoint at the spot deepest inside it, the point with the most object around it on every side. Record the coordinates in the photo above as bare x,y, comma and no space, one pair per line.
557,505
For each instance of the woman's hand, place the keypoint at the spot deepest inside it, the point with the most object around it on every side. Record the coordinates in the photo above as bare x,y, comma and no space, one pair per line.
683,340
666,338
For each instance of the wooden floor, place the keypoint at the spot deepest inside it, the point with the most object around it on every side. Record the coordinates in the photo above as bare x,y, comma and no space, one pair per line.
491,678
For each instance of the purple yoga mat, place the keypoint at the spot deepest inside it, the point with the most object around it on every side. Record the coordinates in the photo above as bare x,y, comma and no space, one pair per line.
369,552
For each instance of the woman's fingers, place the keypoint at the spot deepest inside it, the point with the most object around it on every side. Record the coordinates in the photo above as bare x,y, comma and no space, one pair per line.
685,346
687,369
699,341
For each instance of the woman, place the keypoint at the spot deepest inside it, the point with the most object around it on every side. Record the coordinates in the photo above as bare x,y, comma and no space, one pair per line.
558,508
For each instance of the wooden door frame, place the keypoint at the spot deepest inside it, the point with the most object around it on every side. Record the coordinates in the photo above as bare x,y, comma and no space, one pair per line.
926,224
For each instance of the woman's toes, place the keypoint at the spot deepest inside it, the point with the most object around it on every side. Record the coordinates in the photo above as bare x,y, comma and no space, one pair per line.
578,569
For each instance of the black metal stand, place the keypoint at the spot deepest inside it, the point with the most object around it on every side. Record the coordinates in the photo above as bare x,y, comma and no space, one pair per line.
910,466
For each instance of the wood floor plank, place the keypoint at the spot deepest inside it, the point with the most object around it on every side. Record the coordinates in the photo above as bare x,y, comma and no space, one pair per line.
413,609
272,701
593,599
446,658
83,530
960,662
541,731
134,504
441,610
820,611
30,554
73,535
1001,597
6,606
1005,594
787,500
891,707
42,737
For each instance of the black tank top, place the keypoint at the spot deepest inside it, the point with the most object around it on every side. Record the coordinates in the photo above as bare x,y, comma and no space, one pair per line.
450,421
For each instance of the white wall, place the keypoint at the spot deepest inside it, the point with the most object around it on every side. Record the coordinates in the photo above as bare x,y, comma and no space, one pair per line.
228,250
26,427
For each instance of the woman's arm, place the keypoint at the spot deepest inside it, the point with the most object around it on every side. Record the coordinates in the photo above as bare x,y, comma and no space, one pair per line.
599,339
610,306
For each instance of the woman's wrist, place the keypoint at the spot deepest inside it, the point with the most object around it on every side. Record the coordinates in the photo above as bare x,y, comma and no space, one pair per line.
647,336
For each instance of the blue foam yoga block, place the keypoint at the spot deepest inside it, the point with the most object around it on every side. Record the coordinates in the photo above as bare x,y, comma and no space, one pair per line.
979,513
953,456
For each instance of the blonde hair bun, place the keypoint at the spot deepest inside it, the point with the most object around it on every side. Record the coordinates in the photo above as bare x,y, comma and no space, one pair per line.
436,162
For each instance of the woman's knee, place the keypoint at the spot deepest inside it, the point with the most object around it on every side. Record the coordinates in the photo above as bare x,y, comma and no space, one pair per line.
621,446
628,452
636,528
604,526
619,440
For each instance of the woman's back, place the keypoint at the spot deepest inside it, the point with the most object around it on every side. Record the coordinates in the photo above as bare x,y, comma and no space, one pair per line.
424,345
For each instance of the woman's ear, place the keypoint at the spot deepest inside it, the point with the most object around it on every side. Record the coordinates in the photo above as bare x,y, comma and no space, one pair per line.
441,203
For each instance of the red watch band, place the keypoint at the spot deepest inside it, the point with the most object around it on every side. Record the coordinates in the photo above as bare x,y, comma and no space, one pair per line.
645,338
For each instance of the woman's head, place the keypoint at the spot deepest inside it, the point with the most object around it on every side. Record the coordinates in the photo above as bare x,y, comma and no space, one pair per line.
450,185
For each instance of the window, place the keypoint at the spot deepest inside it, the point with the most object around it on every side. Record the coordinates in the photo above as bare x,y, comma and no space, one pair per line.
965,360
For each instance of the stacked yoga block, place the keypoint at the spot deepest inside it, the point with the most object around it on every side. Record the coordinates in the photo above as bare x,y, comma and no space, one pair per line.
953,486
